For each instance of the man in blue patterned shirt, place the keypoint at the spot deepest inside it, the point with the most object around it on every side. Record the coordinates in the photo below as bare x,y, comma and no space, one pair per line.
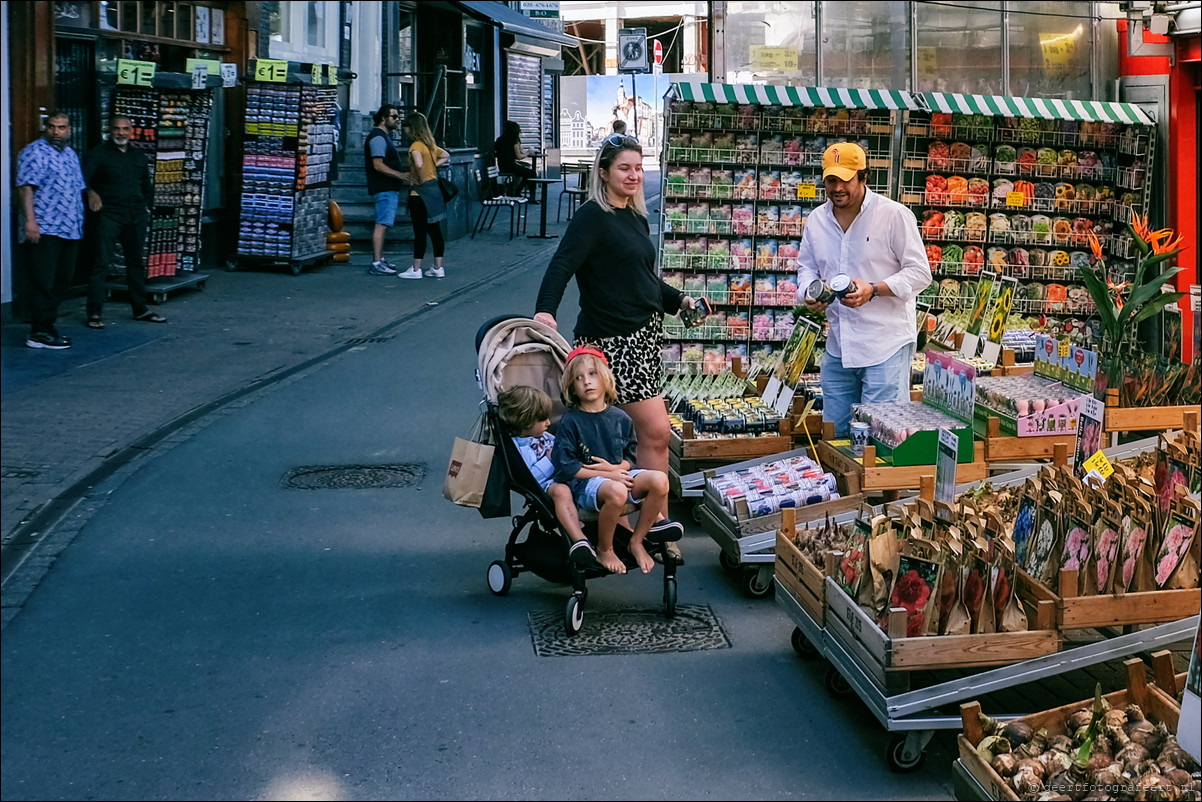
50,224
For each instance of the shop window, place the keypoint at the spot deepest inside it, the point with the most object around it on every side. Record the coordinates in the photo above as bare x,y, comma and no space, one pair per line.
770,43
279,19
959,48
1050,53
315,24
110,13
149,18
184,22
167,20
129,16
866,45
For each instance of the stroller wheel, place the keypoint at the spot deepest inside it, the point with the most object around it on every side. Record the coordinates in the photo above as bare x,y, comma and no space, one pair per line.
670,597
500,578
573,616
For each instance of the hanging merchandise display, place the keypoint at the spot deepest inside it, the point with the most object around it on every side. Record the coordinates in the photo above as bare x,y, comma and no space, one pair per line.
742,170
287,154
1017,186
170,119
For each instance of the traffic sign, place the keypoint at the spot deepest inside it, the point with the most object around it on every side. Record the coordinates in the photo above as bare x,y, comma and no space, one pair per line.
659,52
632,51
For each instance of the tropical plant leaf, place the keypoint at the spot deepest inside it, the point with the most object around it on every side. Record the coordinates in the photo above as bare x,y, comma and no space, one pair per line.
1140,295
1157,305
1101,298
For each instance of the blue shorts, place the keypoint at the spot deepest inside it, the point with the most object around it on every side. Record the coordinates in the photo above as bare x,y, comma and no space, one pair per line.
586,498
386,206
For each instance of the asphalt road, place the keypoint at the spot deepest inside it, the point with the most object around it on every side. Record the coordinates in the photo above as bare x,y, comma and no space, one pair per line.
212,634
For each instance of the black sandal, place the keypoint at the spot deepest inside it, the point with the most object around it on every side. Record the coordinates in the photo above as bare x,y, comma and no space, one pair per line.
95,323
150,317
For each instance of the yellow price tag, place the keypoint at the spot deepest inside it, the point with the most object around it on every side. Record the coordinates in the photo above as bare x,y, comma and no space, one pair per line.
317,73
807,191
1065,348
1099,463
332,74
135,73
1015,199
271,69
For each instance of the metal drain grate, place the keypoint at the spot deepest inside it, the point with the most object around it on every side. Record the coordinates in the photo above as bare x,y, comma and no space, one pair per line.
20,473
353,477
367,340
640,631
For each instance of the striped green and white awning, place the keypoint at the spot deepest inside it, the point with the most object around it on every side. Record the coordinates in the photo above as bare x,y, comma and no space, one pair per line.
766,95
1041,108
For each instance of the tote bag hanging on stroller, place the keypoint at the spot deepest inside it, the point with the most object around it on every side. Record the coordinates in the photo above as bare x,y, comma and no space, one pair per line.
474,476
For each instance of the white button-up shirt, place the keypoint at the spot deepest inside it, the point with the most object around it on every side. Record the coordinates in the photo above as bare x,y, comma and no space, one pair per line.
882,244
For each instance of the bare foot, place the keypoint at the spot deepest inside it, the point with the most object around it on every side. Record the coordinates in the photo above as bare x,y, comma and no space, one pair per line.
641,556
611,561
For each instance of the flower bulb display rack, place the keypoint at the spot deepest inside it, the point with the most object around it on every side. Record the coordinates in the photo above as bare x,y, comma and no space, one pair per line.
877,665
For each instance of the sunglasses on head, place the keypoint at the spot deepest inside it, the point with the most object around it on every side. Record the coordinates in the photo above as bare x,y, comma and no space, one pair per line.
620,140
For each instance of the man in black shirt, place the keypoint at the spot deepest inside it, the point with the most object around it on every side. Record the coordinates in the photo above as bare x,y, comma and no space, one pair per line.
119,194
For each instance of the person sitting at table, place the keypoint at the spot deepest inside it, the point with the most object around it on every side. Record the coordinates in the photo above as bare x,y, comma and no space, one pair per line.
508,151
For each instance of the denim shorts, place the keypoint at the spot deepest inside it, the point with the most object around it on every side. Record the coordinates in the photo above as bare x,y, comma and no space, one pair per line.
386,206
586,498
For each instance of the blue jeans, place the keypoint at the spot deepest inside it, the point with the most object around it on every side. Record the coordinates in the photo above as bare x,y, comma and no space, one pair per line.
842,387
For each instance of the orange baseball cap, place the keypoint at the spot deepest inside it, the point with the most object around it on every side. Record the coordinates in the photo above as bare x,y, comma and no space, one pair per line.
843,160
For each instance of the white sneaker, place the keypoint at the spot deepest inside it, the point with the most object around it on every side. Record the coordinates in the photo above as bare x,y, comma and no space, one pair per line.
436,272
412,272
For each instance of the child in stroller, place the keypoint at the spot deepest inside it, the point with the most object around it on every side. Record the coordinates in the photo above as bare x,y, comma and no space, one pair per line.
515,351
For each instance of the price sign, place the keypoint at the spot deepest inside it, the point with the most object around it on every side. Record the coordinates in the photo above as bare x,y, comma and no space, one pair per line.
318,72
1064,348
1099,463
332,74
1015,199
809,191
229,75
271,69
200,76
135,73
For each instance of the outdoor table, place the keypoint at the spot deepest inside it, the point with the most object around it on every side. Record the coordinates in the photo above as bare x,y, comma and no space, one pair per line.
542,211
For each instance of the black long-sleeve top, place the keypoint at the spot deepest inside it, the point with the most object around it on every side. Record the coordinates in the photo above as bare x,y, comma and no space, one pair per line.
613,260
120,178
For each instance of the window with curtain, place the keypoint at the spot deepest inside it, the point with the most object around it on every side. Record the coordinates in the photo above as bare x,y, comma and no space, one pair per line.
770,43
959,48
1051,49
866,45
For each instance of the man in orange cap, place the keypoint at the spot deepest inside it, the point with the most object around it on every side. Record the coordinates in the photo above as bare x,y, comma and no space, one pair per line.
867,248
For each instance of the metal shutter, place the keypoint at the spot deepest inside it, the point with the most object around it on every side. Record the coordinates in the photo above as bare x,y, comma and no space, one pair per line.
525,75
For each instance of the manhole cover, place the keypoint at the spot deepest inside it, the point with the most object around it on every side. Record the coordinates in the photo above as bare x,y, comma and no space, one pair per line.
20,473
353,477
639,631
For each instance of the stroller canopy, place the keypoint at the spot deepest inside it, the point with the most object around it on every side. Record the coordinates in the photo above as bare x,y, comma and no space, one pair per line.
516,351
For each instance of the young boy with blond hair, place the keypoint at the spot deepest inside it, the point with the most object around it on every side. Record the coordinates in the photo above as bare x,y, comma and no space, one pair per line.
594,454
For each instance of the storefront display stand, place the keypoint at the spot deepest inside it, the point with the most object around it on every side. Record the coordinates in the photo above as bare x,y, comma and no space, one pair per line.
157,289
898,709
295,264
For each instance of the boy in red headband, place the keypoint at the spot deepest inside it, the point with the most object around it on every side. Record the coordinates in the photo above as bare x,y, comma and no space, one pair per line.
594,453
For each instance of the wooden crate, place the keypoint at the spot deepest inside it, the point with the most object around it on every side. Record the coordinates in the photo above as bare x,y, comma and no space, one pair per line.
1008,449
689,454
1158,700
881,652
1110,609
1137,419
794,571
741,523
875,475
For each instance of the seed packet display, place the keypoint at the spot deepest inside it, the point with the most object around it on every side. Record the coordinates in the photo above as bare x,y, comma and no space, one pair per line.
745,185
915,590
721,184
854,561
743,219
742,254
976,588
721,219
699,182
1009,615
1133,535
1106,542
718,254
1041,553
676,216
1174,565
694,285
1024,521
699,218
717,288
740,289
1078,544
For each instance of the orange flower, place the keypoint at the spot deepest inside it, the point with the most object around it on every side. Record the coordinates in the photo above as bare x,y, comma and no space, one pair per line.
1095,245
1140,224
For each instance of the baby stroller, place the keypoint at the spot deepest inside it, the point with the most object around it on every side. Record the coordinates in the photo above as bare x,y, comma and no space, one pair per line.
511,351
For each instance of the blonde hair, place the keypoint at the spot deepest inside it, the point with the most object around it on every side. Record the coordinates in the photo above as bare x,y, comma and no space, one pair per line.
598,191
521,407
419,129
579,364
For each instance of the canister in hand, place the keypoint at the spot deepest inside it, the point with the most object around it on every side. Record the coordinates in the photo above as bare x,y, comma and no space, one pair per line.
822,293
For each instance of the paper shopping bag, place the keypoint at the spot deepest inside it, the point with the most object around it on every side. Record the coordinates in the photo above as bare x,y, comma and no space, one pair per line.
467,473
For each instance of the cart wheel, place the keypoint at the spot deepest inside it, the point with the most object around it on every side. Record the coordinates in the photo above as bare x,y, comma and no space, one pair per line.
500,578
696,512
836,685
158,298
907,751
200,285
573,616
758,581
802,645
295,267
670,597
231,266
727,561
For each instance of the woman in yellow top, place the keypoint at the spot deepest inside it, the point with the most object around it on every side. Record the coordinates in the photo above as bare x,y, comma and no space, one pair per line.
426,207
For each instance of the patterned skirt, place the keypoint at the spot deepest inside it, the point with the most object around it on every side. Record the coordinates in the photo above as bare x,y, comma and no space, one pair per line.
635,359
